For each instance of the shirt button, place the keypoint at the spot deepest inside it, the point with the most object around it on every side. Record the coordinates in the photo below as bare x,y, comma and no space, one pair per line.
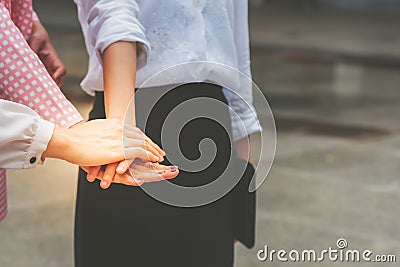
32,160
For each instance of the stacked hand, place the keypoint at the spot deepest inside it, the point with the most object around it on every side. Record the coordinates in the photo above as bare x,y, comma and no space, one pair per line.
138,173
136,170
98,142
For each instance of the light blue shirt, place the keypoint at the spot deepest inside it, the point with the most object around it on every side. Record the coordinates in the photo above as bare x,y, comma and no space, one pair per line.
173,32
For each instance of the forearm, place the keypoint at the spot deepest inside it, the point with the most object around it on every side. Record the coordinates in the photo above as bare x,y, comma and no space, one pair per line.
119,74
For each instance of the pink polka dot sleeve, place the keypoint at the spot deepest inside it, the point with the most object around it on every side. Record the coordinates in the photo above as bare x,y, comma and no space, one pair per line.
24,79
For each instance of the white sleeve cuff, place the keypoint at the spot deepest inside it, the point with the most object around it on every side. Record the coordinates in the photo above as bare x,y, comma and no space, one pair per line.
244,119
244,124
39,143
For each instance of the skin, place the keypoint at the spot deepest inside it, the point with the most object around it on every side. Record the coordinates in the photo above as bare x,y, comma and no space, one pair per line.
39,42
119,75
100,142
83,145
119,65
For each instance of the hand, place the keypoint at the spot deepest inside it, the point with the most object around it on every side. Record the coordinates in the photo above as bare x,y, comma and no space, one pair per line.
140,172
39,42
99,142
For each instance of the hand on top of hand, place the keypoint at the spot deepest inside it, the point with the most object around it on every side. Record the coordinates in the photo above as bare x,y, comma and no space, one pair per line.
141,153
139,172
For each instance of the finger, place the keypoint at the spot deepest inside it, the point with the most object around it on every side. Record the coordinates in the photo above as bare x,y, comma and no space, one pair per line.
128,180
132,132
147,176
155,176
85,168
137,152
59,71
123,166
59,82
109,174
93,173
142,144
162,152
151,147
153,166
170,174
163,167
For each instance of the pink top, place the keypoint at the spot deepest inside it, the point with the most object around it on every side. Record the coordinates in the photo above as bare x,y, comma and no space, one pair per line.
23,77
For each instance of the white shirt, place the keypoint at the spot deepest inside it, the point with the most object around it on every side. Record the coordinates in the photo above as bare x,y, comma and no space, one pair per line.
171,32
24,136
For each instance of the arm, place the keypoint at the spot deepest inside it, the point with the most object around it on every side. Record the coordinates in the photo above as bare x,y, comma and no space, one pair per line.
26,140
119,74
39,42
118,38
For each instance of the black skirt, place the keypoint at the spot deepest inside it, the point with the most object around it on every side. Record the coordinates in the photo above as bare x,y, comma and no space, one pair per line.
124,226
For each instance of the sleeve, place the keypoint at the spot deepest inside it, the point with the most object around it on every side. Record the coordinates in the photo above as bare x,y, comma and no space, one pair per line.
24,136
24,79
243,114
35,16
111,21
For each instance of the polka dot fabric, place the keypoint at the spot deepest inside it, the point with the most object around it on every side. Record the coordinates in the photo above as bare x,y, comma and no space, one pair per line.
23,77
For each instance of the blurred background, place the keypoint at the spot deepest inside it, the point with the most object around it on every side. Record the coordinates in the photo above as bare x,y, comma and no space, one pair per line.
330,70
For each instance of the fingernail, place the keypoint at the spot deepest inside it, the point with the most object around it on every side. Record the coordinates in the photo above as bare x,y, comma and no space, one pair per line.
173,169
90,177
104,184
139,180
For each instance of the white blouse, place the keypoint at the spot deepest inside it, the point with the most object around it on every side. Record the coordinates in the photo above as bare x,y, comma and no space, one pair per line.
172,32
24,136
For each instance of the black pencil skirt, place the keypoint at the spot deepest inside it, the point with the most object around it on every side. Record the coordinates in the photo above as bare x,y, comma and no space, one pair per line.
124,226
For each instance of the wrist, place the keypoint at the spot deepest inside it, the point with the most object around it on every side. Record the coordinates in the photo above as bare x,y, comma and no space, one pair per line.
122,116
57,145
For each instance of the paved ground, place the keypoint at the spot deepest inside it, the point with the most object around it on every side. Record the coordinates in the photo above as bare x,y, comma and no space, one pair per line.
336,168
